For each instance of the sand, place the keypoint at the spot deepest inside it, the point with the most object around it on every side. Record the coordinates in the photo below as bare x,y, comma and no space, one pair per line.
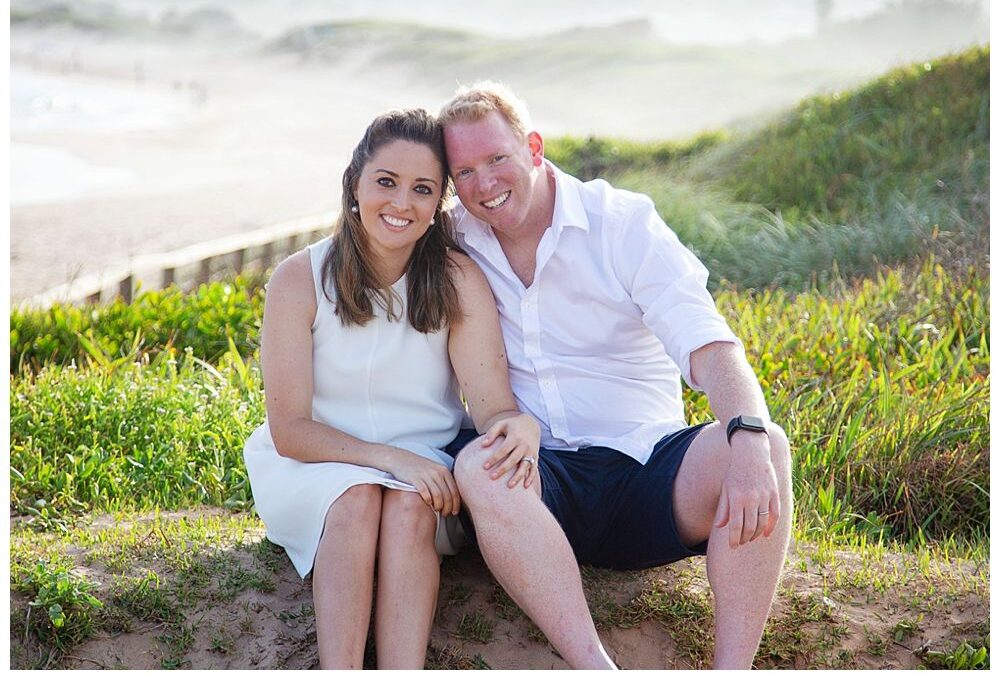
828,613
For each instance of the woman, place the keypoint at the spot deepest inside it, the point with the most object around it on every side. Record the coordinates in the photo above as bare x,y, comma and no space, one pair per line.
359,338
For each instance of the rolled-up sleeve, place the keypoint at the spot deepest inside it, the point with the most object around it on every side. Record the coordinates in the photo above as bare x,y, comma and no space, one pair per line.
668,284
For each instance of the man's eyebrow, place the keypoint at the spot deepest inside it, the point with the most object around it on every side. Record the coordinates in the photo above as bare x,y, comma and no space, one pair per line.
396,175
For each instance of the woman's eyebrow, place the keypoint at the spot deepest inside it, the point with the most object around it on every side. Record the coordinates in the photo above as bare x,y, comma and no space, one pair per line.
396,175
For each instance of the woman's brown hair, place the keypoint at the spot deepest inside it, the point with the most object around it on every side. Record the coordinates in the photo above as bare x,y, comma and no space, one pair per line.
431,297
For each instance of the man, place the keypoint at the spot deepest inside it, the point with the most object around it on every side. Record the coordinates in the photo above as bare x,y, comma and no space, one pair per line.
603,310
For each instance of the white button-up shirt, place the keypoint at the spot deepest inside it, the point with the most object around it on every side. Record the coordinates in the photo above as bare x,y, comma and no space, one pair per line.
599,340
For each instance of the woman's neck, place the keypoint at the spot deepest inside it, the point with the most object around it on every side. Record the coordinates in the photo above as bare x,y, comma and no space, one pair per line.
391,268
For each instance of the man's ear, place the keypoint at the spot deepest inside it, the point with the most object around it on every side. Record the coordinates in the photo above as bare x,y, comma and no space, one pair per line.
537,147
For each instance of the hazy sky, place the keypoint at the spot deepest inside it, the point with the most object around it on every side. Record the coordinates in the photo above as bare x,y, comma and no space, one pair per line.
678,21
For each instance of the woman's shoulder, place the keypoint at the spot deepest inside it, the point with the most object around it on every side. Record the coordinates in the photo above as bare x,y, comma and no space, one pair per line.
461,265
293,278
468,278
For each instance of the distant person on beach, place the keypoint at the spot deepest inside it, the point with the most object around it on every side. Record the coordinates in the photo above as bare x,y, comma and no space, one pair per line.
368,337
603,311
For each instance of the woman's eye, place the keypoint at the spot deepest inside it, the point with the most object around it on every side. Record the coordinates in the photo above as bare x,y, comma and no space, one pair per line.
423,189
386,182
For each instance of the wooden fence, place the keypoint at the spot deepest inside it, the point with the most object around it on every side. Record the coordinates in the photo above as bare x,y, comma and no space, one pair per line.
193,265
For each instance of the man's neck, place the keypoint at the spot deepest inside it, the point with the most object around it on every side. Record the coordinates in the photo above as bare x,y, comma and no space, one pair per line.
520,246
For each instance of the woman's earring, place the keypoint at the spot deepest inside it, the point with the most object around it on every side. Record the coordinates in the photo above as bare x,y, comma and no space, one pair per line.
354,209
432,221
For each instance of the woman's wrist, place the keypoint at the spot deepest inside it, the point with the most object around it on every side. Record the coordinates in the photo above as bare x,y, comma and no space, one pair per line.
499,417
384,457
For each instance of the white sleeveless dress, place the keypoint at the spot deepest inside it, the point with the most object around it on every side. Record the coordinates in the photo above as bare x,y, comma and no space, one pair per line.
384,382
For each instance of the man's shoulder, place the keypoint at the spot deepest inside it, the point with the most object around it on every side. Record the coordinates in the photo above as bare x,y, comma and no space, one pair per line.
602,199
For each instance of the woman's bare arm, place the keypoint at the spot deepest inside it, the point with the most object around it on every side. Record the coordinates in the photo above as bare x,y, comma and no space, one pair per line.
480,361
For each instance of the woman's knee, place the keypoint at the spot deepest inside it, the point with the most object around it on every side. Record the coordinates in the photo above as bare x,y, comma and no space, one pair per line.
407,515
357,506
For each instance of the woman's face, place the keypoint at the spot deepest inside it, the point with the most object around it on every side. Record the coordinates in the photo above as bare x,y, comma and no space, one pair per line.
397,194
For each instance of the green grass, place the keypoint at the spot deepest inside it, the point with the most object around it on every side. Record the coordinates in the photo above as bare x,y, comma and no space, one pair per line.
921,127
882,386
162,433
475,626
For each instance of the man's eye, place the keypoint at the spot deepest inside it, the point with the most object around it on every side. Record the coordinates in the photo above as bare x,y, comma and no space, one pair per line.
498,158
386,182
463,173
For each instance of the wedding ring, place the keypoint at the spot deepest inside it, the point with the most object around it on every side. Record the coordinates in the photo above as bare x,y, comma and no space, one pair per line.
762,513
529,460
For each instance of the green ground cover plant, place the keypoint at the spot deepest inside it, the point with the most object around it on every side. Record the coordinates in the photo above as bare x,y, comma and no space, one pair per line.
204,320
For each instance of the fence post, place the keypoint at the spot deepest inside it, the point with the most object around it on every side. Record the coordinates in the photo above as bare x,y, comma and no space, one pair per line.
238,257
125,289
204,271
267,254
169,274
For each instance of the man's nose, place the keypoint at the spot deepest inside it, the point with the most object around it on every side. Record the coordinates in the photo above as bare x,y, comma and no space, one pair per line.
486,181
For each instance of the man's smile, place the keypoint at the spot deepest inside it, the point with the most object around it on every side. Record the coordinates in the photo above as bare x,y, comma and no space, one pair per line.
497,201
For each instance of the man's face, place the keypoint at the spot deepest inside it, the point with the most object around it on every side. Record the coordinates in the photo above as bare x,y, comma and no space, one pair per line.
494,170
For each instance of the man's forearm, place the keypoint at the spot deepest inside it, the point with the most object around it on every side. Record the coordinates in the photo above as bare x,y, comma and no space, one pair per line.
722,371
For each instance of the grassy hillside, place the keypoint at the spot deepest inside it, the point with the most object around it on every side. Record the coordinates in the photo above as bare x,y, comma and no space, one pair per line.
839,186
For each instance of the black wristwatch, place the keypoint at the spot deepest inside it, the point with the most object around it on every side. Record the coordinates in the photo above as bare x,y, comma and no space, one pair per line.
747,422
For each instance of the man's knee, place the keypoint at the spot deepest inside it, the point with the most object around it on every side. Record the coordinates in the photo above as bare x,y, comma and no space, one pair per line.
469,471
781,453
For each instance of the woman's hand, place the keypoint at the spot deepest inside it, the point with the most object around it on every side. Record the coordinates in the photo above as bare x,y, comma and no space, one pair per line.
433,481
520,438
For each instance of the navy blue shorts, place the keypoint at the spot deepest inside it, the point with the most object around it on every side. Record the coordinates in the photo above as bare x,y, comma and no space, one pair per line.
616,512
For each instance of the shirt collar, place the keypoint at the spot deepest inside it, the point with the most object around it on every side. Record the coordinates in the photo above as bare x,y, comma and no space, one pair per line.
568,211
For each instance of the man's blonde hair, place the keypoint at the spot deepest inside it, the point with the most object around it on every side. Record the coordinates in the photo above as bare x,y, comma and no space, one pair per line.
473,103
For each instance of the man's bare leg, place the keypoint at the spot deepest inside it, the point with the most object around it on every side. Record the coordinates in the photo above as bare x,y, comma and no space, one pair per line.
743,579
528,553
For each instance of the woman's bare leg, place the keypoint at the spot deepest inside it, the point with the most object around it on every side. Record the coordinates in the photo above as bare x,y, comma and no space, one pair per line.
409,572
343,574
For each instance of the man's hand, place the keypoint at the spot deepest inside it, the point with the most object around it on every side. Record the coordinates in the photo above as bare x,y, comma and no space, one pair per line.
433,481
749,501
521,436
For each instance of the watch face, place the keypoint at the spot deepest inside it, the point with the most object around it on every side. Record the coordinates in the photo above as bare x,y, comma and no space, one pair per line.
751,422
